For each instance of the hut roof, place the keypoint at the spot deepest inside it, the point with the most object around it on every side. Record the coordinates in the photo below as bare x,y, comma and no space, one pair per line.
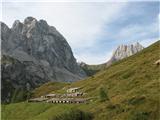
50,95
68,99
76,88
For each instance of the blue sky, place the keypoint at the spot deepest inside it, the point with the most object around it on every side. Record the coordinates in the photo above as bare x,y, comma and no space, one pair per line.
93,29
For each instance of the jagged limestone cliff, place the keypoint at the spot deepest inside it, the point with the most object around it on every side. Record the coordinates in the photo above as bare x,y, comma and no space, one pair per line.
124,51
40,54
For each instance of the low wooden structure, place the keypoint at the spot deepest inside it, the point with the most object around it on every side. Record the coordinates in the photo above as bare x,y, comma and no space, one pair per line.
51,95
74,94
67,100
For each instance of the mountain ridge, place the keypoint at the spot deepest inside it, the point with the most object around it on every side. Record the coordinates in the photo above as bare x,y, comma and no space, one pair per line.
38,49
123,51
37,40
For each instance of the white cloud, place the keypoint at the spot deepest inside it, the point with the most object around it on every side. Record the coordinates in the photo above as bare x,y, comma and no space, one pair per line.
148,42
92,58
1,11
115,1
136,32
80,23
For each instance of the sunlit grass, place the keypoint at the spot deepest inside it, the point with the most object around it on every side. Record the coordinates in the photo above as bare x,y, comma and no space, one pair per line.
132,86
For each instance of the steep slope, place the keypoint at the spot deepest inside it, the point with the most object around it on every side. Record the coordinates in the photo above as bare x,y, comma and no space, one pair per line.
132,85
124,51
17,74
34,53
38,42
48,88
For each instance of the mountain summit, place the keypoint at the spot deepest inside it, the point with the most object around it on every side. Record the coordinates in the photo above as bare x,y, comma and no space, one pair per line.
124,51
34,53
35,41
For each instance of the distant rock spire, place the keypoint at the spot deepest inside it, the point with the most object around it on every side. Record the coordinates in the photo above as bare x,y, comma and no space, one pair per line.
124,51
28,20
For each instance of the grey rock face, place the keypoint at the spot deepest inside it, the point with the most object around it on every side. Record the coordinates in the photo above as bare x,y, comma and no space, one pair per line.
22,73
34,53
42,52
124,51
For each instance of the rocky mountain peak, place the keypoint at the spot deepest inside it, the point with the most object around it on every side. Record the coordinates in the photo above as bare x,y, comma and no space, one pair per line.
138,46
4,28
40,53
4,31
29,20
123,51
17,26
81,64
126,50
43,22
16,23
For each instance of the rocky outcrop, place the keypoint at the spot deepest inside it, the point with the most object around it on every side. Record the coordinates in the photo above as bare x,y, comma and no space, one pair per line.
121,52
124,51
41,53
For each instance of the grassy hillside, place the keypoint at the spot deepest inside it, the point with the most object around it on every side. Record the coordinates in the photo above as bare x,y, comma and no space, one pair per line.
132,86
48,88
92,69
36,111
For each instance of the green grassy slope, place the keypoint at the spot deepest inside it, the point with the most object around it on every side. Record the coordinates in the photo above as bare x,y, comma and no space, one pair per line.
132,85
93,69
48,88
38,111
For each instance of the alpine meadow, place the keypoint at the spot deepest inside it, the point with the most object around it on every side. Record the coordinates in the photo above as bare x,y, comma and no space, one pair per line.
74,60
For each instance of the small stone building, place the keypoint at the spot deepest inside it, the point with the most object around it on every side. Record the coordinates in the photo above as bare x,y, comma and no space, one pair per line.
67,100
73,90
50,95
77,94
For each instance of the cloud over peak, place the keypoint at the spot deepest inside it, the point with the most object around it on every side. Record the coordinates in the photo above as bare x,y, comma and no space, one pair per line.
93,29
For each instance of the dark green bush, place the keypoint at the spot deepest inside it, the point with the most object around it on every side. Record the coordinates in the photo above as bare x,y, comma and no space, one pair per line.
73,114
90,72
20,95
140,116
136,100
127,74
117,108
103,94
111,107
